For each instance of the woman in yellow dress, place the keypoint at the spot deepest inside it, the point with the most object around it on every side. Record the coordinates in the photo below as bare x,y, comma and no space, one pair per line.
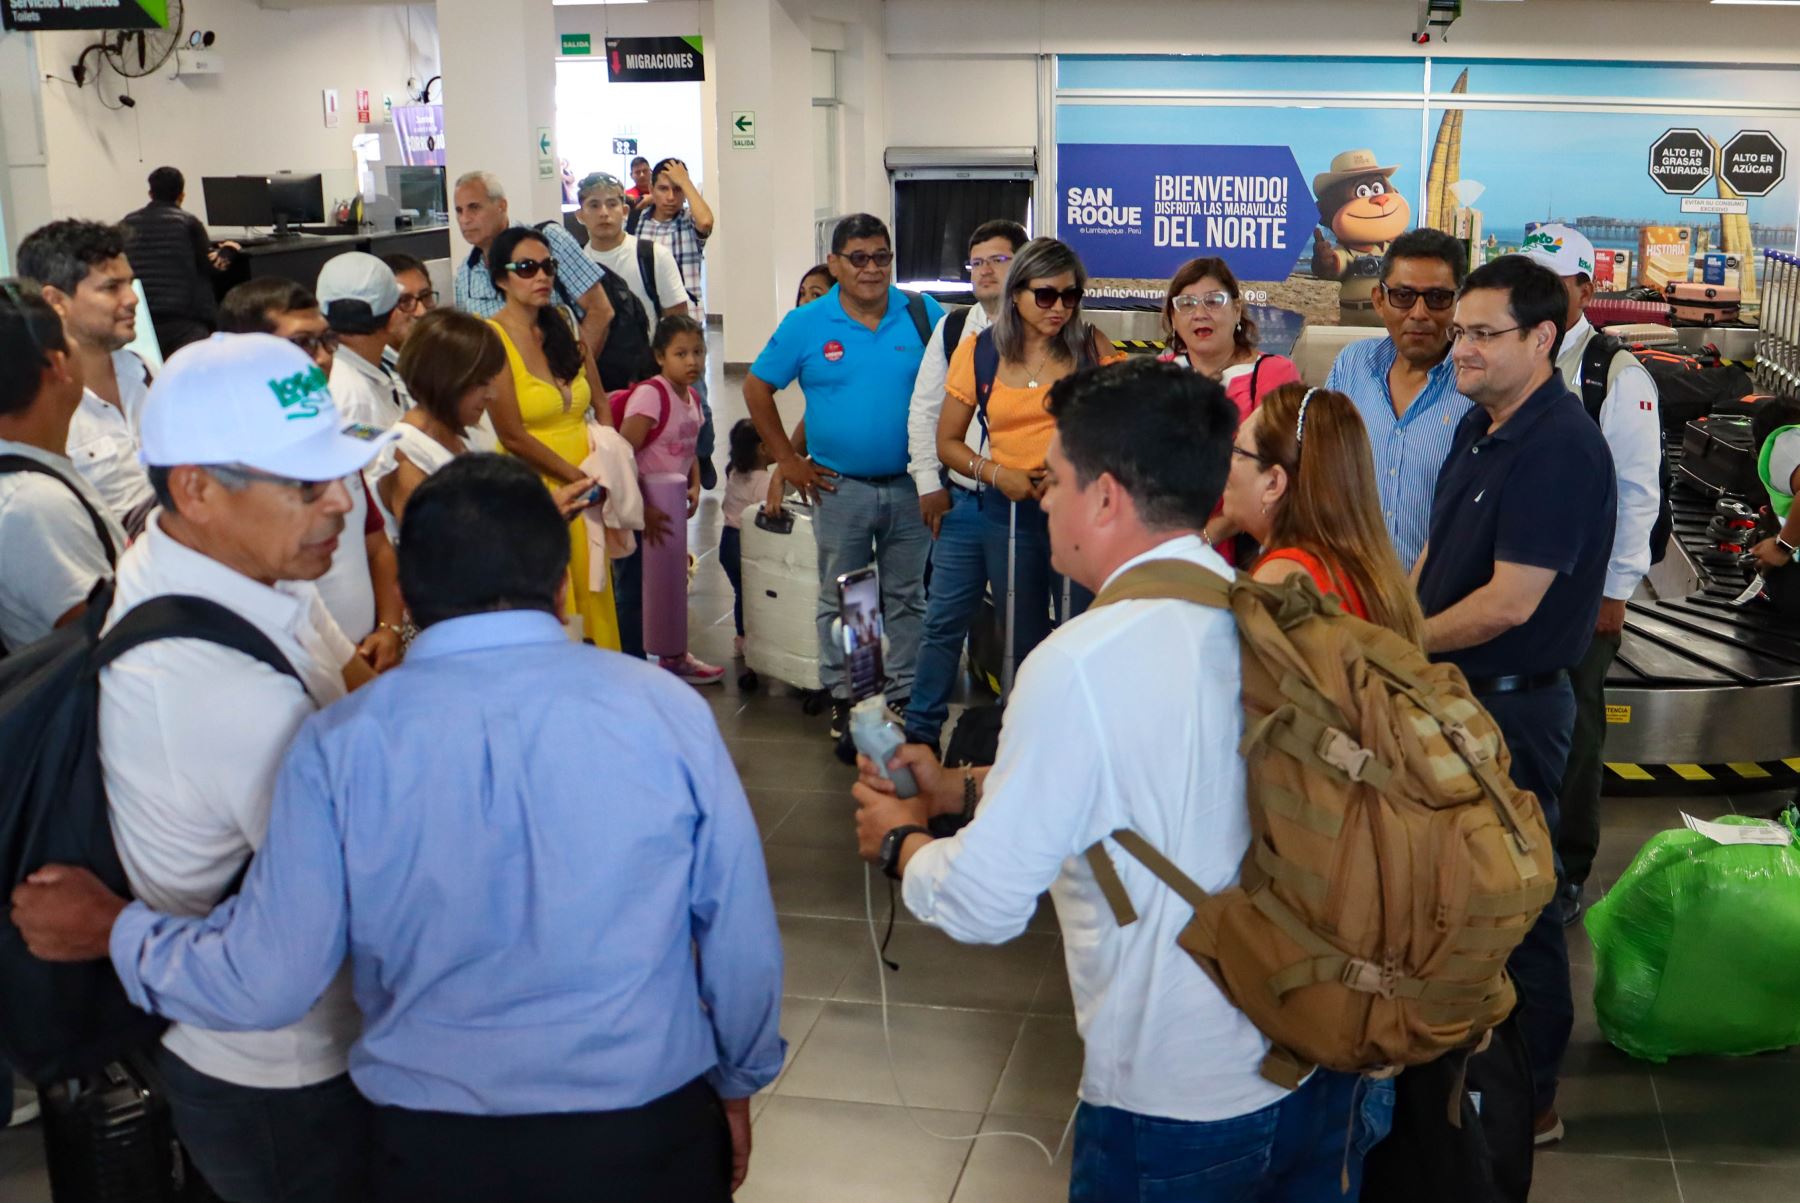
542,417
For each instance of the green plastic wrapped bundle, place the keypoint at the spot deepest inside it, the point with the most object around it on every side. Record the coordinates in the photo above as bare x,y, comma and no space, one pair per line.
1697,948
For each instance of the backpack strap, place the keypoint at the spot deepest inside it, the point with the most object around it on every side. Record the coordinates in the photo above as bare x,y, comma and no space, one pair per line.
646,259
1598,366
24,463
921,317
987,368
180,616
662,420
1167,580
955,322
1255,371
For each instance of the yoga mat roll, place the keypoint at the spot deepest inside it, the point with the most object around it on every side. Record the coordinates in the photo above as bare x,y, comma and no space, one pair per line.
665,568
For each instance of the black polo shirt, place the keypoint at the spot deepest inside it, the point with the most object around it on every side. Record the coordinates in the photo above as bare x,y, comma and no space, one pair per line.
1539,491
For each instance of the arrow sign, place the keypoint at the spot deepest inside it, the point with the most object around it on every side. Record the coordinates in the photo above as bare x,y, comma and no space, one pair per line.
546,161
743,130
544,144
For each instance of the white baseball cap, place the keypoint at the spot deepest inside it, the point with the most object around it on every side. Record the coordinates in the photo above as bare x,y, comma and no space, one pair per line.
255,400
1563,249
356,292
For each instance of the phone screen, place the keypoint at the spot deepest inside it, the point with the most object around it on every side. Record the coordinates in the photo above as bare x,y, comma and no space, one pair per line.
859,613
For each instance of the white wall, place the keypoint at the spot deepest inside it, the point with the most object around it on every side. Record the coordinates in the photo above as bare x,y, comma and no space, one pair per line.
262,113
24,167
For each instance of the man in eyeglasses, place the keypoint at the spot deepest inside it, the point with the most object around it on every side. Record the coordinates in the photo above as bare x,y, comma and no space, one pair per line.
1404,385
856,353
247,455
1511,578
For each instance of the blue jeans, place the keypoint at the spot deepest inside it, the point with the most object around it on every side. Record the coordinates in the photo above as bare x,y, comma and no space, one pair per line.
1296,1150
958,580
628,600
309,1144
1037,588
708,438
864,523
1538,725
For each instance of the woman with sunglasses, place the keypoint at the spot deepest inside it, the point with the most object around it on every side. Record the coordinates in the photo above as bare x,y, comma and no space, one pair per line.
1209,331
1302,484
541,409
1001,378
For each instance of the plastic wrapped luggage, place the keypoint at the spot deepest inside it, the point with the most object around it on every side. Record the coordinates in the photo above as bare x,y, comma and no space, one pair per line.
781,595
1718,457
1703,304
1697,947
1602,312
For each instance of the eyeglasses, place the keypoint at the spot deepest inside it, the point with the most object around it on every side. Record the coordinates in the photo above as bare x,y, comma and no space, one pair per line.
418,300
1047,298
525,269
1436,299
862,259
975,265
1213,301
324,339
1480,338
1250,455
310,490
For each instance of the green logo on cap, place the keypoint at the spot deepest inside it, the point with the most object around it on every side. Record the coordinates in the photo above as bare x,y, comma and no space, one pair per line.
302,395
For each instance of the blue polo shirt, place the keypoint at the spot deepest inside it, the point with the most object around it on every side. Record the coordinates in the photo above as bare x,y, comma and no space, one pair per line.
1539,491
858,382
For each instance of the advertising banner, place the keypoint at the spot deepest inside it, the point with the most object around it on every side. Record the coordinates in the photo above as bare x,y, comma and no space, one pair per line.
1136,211
421,130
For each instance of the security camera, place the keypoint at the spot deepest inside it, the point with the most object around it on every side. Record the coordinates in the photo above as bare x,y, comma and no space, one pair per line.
1434,15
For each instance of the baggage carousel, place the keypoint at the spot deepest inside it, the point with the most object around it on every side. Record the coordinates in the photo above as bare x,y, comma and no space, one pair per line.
1704,696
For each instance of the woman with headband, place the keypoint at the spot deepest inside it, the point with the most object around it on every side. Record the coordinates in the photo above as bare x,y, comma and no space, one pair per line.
1302,484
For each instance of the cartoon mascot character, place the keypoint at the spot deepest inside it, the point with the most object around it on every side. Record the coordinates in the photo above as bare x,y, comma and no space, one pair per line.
1358,202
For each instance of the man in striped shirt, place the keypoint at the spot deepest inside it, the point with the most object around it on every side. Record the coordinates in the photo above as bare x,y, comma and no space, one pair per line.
1404,385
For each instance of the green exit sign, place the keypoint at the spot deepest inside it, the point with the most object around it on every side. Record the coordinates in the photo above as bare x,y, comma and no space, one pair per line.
577,43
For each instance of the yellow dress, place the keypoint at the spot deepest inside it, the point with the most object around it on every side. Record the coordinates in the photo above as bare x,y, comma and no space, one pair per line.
564,431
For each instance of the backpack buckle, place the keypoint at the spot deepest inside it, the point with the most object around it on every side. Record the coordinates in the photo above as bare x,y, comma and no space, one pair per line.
1344,754
1464,741
1368,977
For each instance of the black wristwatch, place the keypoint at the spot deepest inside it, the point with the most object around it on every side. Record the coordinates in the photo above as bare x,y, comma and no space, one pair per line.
891,844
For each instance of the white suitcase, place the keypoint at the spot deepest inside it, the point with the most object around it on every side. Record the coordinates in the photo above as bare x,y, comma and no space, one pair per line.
781,595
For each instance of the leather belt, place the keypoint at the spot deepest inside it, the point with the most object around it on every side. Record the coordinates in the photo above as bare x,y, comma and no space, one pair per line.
889,479
1519,683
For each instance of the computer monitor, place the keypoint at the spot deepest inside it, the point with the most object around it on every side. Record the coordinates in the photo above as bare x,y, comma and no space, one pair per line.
237,200
418,188
296,198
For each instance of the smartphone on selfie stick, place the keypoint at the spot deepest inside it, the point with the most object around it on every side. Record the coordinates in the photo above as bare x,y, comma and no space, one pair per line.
859,630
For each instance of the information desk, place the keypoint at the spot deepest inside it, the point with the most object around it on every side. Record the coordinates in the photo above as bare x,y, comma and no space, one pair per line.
300,258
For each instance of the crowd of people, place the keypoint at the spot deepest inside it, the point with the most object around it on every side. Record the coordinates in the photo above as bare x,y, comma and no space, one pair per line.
568,978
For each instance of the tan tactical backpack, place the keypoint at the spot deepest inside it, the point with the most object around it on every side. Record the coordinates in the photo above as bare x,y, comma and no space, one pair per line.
1393,865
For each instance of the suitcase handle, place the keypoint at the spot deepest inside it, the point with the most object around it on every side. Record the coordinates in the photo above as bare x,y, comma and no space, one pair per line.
783,525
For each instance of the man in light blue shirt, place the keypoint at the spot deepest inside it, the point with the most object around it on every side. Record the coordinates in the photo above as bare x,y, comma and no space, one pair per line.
856,352
543,870
1403,385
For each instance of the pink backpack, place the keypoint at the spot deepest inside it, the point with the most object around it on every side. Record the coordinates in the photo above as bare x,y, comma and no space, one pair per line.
619,397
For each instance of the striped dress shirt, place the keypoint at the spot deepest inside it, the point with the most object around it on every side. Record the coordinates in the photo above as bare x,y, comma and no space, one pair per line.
1409,449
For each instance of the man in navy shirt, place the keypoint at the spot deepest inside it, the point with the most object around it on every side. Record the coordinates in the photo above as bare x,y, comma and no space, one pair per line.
855,352
1510,580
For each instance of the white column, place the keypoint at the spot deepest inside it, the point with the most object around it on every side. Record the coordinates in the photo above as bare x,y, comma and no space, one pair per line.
764,239
499,65
24,164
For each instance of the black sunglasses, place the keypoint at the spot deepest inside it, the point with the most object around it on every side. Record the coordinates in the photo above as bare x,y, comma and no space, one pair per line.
1048,297
311,343
1436,299
862,259
527,268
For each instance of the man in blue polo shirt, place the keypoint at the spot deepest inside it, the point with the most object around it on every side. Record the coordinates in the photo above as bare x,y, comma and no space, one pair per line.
1404,385
1510,580
855,352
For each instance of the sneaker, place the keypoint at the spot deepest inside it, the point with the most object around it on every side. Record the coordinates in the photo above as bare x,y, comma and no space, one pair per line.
840,718
1548,1129
1568,903
25,1104
694,672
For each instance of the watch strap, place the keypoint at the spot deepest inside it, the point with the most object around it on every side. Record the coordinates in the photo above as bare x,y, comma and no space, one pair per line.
892,842
1791,550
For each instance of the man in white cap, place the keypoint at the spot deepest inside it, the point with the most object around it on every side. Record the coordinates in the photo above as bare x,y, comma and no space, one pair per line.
360,298
1621,396
248,457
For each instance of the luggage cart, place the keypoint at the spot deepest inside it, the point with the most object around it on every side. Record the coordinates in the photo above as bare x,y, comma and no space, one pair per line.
1778,344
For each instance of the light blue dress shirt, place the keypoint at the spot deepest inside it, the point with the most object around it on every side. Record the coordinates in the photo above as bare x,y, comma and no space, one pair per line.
541,865
1409,450
474,290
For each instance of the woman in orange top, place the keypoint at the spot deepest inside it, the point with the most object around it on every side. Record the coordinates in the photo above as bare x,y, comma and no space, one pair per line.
1302,483
1000,380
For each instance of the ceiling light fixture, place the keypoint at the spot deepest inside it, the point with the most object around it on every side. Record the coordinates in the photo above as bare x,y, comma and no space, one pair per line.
1763,3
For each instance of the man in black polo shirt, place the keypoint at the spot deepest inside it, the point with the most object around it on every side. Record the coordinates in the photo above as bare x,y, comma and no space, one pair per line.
1510,581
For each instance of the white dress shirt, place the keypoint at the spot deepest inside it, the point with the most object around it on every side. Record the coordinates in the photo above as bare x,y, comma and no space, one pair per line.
347,588
1633,430
103,442
928,403
50,555
191,736
366,392
1128,716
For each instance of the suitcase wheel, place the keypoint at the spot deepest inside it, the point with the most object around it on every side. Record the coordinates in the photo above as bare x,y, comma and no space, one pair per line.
749,682
813,701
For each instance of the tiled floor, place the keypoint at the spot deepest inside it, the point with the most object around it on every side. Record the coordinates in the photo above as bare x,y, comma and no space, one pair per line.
984,1039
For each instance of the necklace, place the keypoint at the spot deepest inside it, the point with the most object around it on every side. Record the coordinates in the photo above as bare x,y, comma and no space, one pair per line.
1032,373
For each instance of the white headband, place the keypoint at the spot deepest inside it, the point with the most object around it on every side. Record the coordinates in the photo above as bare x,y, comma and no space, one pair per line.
1300,425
